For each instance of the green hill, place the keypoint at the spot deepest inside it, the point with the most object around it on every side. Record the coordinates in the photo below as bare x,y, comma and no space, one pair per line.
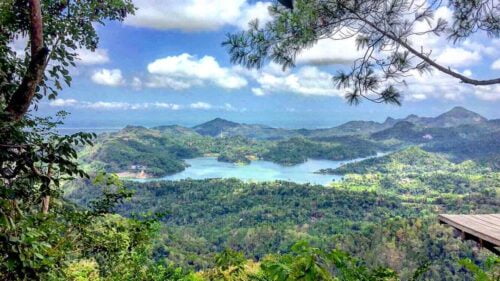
406,160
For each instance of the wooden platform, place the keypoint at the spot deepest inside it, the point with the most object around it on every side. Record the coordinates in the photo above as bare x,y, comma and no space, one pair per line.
485,229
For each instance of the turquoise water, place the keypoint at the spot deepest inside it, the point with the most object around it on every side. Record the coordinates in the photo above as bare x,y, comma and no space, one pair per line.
209,167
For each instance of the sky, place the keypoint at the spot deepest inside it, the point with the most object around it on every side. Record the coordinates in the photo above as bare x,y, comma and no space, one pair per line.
165,65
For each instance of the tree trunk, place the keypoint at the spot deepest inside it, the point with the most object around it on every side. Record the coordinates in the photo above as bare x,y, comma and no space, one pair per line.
45,204
20,101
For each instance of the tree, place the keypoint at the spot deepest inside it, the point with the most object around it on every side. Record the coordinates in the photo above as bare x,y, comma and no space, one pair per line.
43,237
56,29
386,31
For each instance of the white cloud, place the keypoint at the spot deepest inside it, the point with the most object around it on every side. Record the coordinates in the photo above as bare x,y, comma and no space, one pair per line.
488,93
114,105
63,102
442,86
200,105
496,65
158,81
307,80
490,50
207,106
329,51
230,107
195,15
259,10
258,92
108,77
105,105
87,57
136,83
185,71
458,57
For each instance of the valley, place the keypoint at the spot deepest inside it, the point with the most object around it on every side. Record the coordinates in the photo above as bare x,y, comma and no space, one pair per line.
158,152
249,140
218,187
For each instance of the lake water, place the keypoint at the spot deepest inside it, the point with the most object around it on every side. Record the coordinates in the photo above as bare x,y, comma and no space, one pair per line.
209,167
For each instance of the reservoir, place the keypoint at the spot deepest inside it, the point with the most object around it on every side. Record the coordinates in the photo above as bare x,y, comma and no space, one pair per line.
209,167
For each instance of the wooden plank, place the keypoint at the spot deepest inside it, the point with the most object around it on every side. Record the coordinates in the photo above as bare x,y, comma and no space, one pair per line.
484,227
489,219
477,225
474,227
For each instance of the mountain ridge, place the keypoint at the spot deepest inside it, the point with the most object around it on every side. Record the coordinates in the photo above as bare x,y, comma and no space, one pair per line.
457,116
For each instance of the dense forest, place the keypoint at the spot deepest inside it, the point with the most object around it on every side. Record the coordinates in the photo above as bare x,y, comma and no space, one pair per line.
383,212
386,218
83,207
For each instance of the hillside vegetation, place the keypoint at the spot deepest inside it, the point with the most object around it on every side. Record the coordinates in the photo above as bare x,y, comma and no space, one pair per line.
458,135
380,219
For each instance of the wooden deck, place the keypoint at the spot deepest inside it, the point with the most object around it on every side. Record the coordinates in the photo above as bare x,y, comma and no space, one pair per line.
485,229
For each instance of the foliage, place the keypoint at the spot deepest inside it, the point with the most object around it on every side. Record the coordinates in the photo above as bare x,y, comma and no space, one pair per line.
386,221
408,160
303,263
489,273
42,235
67,27
383,31
298,150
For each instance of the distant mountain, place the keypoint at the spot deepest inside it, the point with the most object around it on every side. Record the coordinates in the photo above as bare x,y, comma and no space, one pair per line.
223,128
391,128
457,116
215,127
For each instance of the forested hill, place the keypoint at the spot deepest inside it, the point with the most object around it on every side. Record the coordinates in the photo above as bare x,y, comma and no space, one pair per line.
409,160
382,211
457,116
458,134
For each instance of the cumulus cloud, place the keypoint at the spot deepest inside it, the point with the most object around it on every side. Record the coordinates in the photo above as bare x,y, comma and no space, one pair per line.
196,15
487,93
259,10
441,86
185,71
87,57
458,57
311,81
108,77
329,51
307,80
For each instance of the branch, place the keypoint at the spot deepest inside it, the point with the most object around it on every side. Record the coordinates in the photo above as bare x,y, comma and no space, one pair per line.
21,99
425,58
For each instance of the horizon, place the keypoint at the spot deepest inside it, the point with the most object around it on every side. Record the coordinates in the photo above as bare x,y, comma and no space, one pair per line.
101,129
152,70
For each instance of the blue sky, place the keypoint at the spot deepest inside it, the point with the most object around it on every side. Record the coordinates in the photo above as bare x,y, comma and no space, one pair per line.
166,66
